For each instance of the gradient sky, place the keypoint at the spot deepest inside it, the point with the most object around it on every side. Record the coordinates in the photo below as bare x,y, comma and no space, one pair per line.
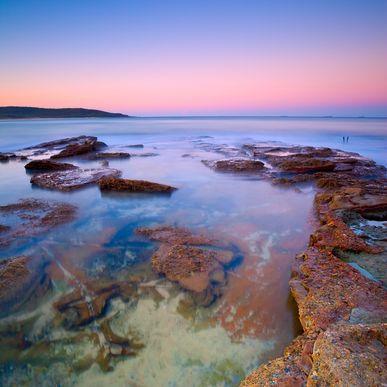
164,57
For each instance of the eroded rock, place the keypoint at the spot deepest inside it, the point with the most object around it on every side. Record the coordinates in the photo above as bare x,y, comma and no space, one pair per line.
73,179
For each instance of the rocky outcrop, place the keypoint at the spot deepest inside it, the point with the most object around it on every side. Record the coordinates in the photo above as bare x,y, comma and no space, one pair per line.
128,185
353,355
336,302
190,260
30,217
21,279
73,179
48,165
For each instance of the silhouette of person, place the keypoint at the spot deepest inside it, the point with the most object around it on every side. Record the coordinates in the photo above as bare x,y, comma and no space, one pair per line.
347,139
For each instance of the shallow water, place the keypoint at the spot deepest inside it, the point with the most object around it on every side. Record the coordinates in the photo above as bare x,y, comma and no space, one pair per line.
181,343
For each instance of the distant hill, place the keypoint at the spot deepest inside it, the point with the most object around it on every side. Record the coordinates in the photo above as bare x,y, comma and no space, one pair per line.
10,112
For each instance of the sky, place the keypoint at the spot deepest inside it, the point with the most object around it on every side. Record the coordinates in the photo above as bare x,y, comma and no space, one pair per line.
212,57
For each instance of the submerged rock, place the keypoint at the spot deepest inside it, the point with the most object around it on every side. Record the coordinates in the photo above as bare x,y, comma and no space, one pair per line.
69,180
21,279
79,308
128,185
48,165
87,303
30,217
200,270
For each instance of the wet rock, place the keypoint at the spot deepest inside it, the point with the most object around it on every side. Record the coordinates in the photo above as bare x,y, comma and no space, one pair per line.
69,180
236,165
48,165
30,217
180,259
351,353
128,185
21,279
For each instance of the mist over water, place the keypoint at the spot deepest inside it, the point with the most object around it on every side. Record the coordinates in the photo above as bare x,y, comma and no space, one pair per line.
252,321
